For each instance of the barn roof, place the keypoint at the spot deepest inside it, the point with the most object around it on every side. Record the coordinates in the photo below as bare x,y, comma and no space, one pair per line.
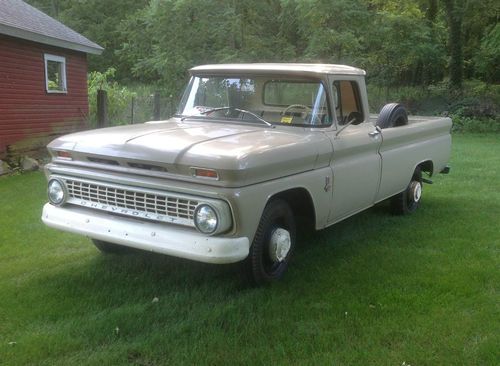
20,20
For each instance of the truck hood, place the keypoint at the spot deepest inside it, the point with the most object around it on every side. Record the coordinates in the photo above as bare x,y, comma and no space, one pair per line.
242,154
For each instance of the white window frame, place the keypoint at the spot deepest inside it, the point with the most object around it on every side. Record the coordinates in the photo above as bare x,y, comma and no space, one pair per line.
62,60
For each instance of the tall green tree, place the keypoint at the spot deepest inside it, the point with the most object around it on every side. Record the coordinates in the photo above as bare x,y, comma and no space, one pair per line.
332,31
454,14
169,36
480,20
487,58
402,47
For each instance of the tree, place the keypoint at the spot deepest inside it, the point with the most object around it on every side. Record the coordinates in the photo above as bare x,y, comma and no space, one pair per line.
97,20
401,46
334,30
454,15
488,56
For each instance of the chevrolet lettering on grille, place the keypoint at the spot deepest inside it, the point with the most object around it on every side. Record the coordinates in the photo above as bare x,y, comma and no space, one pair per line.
128,212
128,201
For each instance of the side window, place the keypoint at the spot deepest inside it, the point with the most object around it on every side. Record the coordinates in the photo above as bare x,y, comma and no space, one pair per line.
55,74
347,101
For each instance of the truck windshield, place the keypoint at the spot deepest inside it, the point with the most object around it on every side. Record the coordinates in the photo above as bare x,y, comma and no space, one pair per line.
256,99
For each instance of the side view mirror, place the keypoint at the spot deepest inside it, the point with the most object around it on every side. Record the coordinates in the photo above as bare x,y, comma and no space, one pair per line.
358,118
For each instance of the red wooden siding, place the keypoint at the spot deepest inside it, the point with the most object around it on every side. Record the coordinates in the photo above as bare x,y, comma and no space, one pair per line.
27,112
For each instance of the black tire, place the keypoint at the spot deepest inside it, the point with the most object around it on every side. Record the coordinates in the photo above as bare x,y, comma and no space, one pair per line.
263,268
110,248
392,115
408,201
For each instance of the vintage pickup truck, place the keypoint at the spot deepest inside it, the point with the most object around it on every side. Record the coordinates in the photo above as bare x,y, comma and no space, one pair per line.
254,151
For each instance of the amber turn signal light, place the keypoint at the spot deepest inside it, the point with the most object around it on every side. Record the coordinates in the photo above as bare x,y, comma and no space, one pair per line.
205,173
64,155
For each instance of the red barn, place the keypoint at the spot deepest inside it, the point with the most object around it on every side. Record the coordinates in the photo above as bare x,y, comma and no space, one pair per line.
43,78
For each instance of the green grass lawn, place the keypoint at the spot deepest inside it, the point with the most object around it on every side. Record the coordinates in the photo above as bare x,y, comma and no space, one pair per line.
372,290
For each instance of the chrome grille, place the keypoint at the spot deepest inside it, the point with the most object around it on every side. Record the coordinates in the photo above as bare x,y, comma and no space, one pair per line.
149,205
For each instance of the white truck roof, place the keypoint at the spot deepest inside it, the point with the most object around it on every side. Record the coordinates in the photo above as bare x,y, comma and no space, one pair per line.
279,68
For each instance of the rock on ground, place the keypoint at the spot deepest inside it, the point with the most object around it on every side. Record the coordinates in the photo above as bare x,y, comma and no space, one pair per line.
4,167
28,163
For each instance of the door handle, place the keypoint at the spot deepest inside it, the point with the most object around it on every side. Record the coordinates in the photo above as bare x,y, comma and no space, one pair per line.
374,134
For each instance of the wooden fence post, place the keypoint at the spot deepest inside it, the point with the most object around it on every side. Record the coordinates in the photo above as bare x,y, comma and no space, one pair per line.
156,107
102,108
132,111
171,106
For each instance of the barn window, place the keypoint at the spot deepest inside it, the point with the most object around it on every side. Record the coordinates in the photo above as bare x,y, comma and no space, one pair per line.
55,74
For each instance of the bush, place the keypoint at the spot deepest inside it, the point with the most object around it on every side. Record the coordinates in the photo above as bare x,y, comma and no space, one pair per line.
474,108
464,123
119,97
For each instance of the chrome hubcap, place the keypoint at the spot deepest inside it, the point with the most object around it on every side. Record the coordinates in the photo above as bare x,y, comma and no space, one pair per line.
279,245
416,189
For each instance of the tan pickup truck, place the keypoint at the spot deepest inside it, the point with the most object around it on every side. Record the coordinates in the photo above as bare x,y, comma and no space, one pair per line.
254,151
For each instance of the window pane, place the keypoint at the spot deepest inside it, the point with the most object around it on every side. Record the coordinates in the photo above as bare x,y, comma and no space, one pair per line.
347,101
54,75
286,93
215,92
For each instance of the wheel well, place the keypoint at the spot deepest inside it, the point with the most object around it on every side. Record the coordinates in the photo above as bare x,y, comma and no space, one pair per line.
301,203
427,166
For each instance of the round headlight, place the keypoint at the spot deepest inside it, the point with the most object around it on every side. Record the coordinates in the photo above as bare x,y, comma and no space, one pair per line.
56,192
205,219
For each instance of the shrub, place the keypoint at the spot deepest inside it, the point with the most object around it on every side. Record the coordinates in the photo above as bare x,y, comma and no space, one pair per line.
474,108
119,97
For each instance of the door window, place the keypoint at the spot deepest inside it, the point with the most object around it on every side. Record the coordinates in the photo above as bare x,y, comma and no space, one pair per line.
347,102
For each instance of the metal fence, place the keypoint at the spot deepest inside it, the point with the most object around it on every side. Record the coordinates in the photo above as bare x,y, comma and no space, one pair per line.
148,108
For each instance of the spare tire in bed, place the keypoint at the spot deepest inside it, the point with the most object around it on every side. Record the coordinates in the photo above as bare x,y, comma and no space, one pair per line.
392,115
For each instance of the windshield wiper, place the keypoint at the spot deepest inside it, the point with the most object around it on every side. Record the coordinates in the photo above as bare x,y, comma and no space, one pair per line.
260,119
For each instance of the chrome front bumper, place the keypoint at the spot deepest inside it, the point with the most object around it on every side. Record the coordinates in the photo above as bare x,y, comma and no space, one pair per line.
161,238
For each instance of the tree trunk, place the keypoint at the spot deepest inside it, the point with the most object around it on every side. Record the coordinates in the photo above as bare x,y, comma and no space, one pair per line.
55,8
432,11
454,15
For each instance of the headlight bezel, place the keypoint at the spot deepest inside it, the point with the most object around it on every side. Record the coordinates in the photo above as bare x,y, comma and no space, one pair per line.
63,190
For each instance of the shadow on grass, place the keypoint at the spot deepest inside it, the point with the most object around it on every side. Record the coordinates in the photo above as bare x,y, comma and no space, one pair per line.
107,281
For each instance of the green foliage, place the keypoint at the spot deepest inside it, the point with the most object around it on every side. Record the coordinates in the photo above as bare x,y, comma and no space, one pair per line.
479,20
99,21
488,58
403,49
176,35
477,108
333,31
462,123
401,43
118,96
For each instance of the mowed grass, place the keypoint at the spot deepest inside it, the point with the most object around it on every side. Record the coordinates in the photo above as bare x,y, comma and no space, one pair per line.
372,290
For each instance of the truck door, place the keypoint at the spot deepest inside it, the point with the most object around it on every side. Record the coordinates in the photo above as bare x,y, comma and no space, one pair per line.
356,162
